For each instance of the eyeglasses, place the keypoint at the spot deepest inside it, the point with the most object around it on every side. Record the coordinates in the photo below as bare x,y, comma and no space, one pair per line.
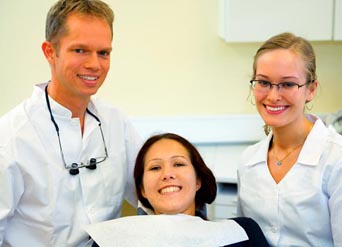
92,162
263,86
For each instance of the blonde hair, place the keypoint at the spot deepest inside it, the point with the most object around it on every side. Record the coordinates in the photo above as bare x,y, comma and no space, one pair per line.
56,27
298,45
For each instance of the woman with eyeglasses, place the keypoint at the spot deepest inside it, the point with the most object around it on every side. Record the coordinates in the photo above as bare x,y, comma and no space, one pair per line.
291,182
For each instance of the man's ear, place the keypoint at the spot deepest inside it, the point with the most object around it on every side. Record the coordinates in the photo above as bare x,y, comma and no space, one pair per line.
49,51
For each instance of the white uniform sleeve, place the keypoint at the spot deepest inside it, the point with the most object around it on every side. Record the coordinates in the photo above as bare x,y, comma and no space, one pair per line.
133,142
335,203
238,203
11,189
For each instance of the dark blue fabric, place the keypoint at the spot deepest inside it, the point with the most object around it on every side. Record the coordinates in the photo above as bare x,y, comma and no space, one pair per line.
253,231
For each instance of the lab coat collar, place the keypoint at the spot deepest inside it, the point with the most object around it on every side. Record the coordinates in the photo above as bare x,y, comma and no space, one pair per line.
311,150
314,144
61,112
260,155
58,109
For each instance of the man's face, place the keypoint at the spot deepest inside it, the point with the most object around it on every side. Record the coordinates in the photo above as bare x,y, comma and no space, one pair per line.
81,62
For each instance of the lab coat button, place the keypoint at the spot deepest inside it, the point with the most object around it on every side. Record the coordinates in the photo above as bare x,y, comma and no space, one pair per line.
91,210
274,229
75,122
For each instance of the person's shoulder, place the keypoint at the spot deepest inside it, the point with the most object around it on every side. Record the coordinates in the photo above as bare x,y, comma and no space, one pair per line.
335,137
334,146
331,135
103,107
12,122
330,142
109,114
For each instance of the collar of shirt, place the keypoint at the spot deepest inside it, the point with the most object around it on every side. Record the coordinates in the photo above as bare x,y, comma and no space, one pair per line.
60,112
310,153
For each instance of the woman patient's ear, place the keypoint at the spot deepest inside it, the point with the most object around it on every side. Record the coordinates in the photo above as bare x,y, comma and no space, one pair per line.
198,184
142,191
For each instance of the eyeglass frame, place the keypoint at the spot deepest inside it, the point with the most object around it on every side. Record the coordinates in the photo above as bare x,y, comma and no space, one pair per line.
278,85
92,162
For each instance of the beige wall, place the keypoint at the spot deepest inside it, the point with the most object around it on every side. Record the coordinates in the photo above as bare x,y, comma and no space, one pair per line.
167,59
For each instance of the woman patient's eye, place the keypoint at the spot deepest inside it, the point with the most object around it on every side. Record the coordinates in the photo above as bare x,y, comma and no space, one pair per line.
154,168
179,164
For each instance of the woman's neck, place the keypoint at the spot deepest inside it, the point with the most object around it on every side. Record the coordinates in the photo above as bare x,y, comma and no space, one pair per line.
288,136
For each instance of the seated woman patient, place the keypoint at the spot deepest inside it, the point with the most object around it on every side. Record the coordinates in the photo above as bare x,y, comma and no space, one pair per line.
172,178
173,186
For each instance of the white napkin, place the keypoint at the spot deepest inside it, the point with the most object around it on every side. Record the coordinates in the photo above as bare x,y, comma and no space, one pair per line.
165,230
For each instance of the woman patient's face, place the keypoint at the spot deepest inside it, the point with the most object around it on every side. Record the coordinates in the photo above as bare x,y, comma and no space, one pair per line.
169,181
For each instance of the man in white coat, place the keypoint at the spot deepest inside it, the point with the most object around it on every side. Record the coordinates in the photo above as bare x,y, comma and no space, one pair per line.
66,158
